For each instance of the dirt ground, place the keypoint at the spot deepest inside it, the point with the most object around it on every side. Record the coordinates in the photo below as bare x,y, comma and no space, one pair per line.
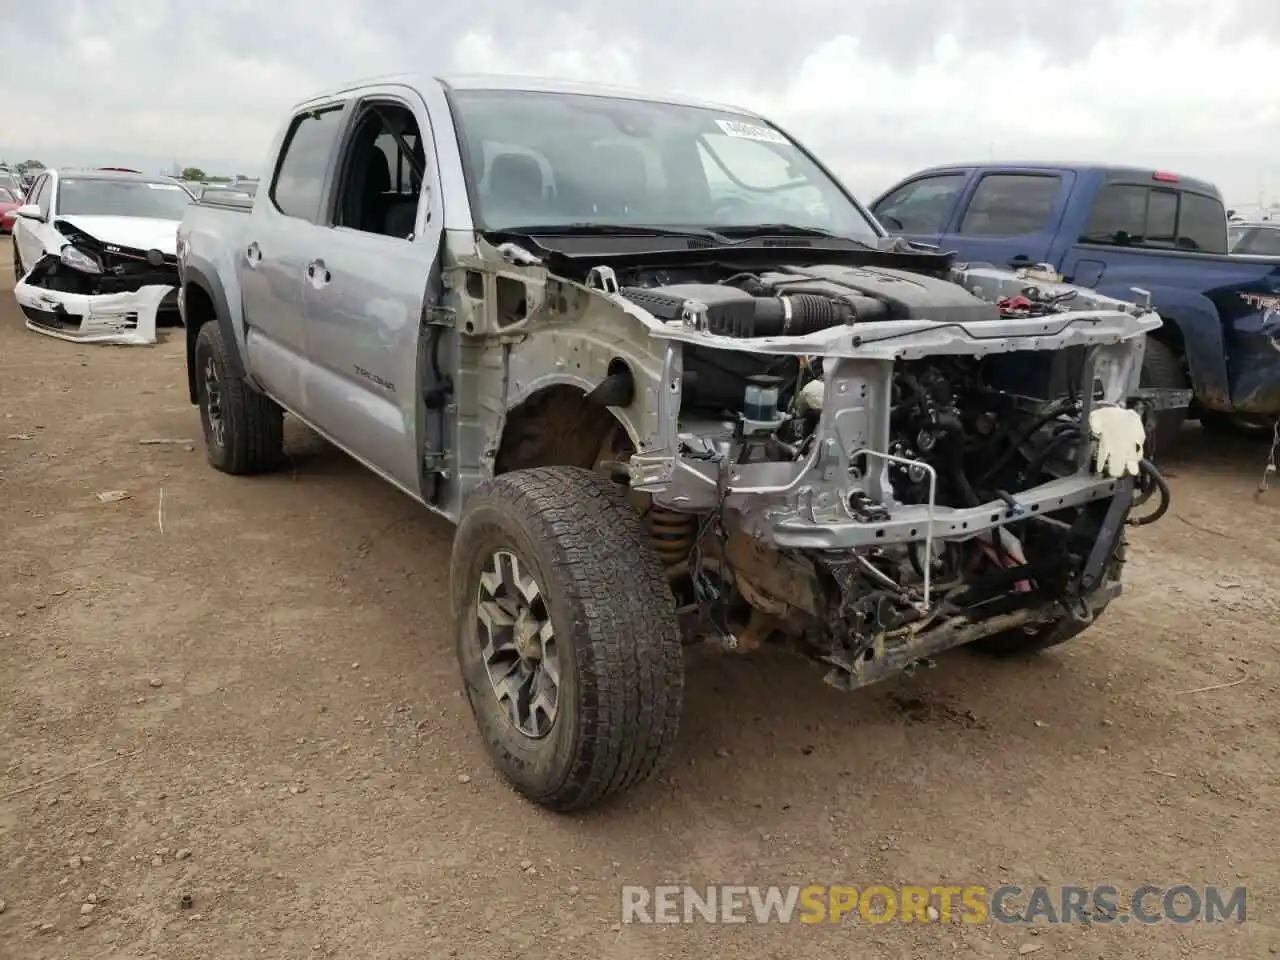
244,691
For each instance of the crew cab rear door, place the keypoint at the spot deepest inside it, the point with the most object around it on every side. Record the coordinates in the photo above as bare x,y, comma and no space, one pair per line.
920,208
366,276
281,232
1009,217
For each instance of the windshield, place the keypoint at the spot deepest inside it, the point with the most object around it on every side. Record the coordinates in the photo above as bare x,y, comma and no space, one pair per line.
89,196
543,159
1258,242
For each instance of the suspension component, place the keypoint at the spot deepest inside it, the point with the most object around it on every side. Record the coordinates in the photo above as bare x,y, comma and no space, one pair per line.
673,534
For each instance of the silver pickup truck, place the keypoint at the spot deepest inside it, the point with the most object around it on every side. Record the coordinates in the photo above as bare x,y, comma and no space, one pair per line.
674,385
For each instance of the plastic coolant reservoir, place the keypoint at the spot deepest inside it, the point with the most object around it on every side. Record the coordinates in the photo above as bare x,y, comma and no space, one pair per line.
760,400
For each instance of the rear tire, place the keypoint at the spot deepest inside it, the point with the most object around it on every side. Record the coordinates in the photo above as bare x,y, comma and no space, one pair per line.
243,430
554,561
1162,369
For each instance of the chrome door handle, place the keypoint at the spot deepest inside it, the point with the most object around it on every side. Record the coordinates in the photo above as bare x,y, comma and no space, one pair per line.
317,273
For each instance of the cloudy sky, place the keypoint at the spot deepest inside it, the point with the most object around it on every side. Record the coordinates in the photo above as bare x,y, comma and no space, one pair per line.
876,88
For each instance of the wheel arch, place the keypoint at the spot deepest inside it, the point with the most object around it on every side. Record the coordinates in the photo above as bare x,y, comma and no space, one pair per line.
557,424
204,300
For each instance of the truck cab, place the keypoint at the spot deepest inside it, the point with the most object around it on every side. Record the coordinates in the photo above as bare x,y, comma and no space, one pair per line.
1119,230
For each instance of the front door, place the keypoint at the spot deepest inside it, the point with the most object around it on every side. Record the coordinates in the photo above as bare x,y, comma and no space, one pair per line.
366,278
32,236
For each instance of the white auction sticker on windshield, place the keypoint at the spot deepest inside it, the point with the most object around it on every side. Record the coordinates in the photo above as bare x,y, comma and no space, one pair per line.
750,131
164,186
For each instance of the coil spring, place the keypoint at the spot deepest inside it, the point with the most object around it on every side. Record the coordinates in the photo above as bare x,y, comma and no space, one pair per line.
673,534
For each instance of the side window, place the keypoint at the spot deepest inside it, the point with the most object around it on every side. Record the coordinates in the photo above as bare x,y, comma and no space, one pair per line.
299,181
922,205
42,194
383,165
1202,225
1011,205
1119,215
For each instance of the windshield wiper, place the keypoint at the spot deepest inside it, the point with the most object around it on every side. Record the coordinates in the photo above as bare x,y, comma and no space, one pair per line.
586,229
754,230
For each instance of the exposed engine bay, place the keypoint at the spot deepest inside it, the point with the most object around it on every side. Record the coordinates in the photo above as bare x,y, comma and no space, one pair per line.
97,292
881,464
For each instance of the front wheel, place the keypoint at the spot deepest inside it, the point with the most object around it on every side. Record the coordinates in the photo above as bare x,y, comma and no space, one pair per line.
1162,369
567,636
1028,641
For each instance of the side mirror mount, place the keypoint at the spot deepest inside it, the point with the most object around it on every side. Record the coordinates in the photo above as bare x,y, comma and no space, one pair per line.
30,211
893,223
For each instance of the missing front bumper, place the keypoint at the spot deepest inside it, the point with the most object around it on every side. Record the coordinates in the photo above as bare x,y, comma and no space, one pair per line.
112,318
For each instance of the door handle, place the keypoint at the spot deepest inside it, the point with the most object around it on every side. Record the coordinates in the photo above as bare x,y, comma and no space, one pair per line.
318,274
253,254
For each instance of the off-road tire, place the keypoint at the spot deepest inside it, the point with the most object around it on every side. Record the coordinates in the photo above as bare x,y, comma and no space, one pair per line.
253,424
1162,369
613,613
1028,641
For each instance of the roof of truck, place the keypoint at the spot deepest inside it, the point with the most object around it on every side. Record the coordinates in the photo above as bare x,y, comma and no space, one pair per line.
1107,169
484,81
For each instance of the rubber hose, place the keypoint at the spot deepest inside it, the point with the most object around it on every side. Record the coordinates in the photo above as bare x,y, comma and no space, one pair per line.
1147,467
798,314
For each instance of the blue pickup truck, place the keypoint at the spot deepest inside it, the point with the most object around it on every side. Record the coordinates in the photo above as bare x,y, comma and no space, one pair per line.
1115,229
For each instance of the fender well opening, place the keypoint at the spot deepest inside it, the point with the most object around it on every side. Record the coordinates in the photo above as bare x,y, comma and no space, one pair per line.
559,426
198,309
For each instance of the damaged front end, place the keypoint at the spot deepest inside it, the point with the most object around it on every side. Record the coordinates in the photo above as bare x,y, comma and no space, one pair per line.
925,462
872,463
96,292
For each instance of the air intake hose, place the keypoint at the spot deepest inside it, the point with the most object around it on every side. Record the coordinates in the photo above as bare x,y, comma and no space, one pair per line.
798,314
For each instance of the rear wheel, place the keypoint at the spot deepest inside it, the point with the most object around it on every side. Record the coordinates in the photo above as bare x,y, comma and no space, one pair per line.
243,430
566,634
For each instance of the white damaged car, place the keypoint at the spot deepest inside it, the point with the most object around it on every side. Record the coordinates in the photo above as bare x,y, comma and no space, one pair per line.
94,254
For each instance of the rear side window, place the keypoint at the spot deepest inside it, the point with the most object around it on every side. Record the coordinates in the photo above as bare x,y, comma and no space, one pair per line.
1011,205
1138,216
922,205
299,182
